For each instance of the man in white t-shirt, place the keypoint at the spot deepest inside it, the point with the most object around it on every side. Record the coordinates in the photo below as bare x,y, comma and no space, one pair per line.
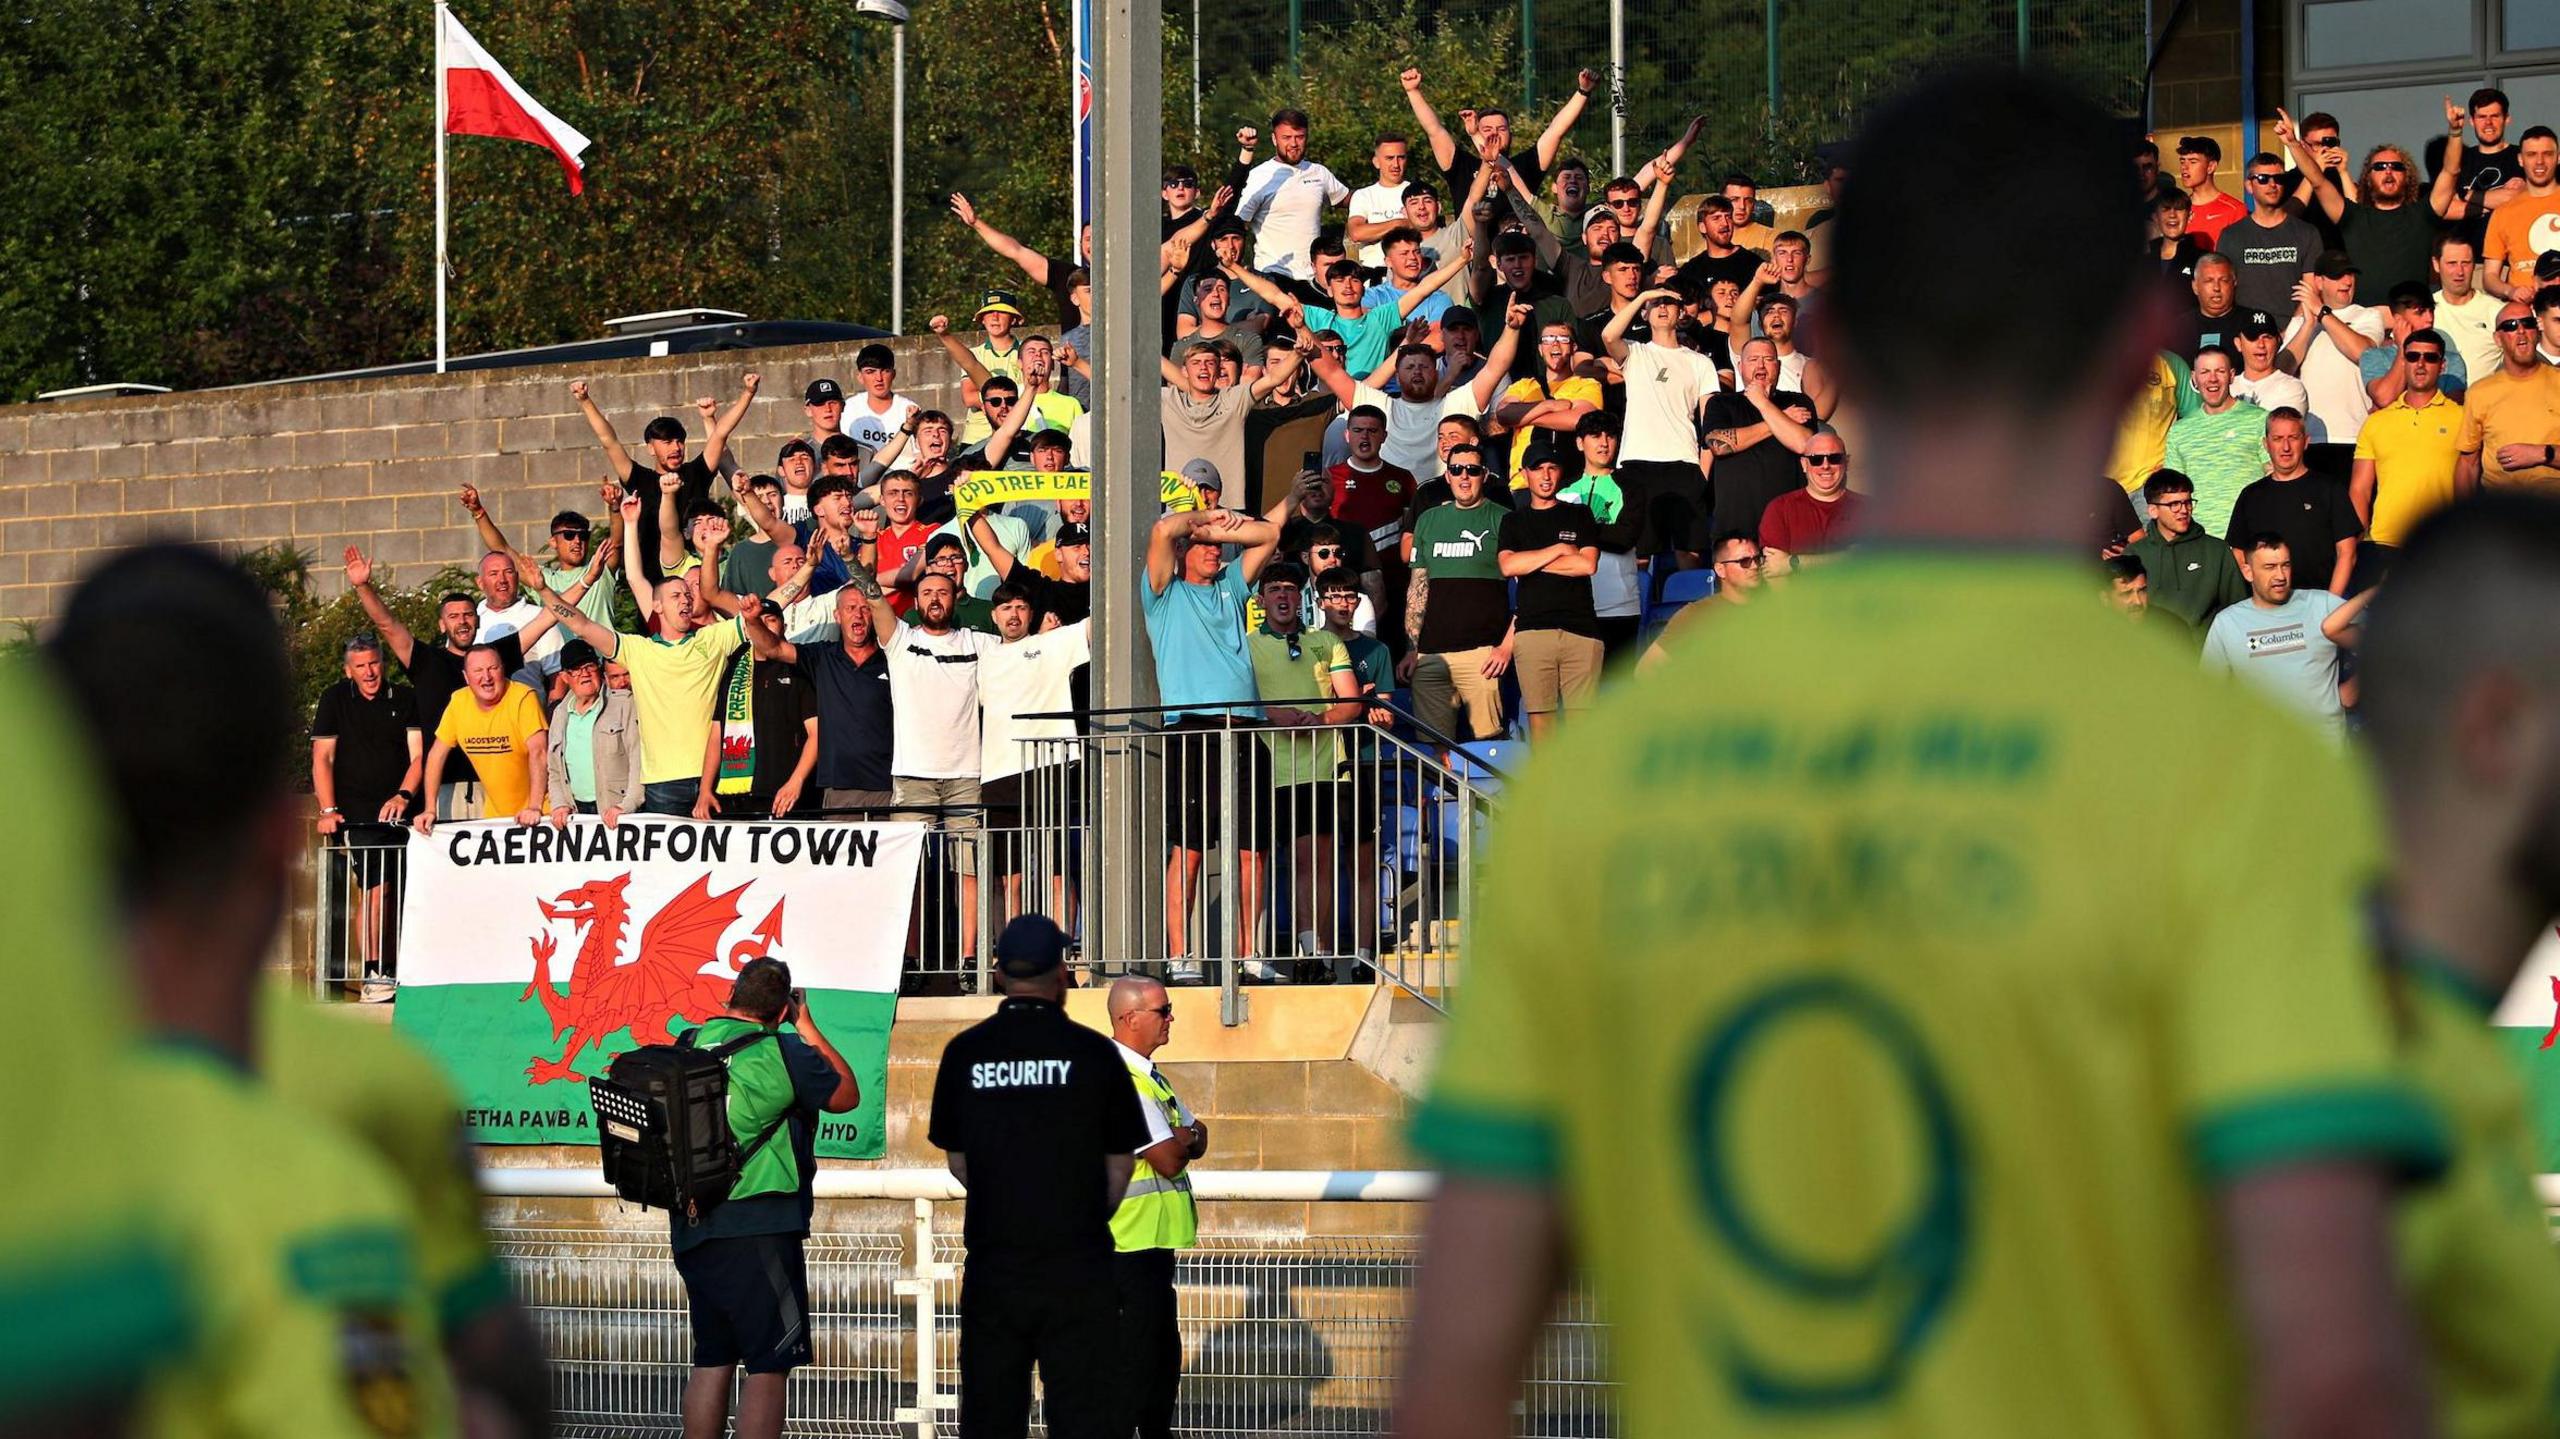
1376,209
1425,395
2325,340
1660,465
504,610
934,739
1285,197
1031,673
875,416
2465,313
2259,381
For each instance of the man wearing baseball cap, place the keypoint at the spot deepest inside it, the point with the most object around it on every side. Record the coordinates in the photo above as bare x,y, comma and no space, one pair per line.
2256,339
823,403
2327,320
1039,1120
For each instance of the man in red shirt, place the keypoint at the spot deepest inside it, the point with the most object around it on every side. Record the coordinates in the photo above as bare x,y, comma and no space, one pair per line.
1367,491
902,536
2199,156
1802,526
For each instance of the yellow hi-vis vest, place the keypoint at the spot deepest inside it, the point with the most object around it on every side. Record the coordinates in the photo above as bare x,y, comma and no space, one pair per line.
1157,1212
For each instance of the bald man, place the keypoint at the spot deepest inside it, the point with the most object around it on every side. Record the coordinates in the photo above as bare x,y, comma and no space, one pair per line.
2462,705
1157,1217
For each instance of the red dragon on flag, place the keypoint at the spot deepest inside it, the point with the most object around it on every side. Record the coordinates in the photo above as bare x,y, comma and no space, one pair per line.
664,982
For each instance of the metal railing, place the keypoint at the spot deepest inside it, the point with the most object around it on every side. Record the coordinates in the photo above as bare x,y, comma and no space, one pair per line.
1283,1334
1259,853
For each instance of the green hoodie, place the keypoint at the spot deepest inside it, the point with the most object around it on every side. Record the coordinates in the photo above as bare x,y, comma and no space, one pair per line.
2191,576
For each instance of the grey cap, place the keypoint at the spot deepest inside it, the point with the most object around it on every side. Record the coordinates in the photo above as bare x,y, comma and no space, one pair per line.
1203,473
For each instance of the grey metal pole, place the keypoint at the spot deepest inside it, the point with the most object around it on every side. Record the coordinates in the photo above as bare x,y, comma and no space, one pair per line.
1195,74
1122,867
898,180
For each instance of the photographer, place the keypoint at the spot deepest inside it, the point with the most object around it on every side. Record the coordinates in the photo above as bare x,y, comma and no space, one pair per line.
745,1284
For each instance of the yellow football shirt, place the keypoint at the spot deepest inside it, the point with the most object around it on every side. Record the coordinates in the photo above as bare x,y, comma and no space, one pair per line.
1532,391
301,1254
89,1299
2413,450
378,1087
1887,1047
2475,1247
672,685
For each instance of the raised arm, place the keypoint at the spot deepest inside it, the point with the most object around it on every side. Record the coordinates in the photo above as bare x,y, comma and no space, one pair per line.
717,429
1551,139
671,550
761,515
1613,336
614,454
723,601
1649,225
1496,370
1278,367
1450,269
1444,147
2443,196
607,642
999,559
765,637
1672,152
395,634
970,365
1031,261
1332,376
634,572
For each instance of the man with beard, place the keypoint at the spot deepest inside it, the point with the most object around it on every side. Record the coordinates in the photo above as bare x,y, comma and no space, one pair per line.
436,669
2461,683
2390,229
2286,641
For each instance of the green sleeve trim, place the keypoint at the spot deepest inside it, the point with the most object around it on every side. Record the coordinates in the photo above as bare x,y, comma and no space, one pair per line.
87,1325
1478,1141
2372,1121
477,1292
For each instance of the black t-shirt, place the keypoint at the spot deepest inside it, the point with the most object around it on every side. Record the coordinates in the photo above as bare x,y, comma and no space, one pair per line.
2196,329
783,702
693,482
2479,174
1462,168
1037,1102
1746,481
2179,266
1553,602
1694,278
373,744
437,672
1064,294
2390,247
855,721
2312,512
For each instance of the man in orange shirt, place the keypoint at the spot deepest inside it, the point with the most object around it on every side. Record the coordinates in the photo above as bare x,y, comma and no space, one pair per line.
2527,227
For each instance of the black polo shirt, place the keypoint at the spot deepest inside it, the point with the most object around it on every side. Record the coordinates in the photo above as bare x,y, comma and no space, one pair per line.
1036,1102
437,672
373,743
854,717
1553,602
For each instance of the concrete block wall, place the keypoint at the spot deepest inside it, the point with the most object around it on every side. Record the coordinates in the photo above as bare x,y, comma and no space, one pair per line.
369,462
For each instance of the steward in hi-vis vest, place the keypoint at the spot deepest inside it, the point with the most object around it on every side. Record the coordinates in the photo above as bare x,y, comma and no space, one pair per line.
1157,1217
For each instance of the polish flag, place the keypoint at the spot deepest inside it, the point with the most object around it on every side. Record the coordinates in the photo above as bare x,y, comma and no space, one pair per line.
481,98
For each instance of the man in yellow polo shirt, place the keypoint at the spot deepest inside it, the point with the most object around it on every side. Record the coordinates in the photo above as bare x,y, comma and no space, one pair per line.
2511,419
2406,458
497,724
2461,694
674,675
1885,1114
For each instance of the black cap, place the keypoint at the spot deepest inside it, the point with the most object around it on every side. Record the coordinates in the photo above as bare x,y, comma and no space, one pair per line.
1228,225
1461,315
1072,533
577,655
1541,451
2254,323
821,392
1031,946
2547,267
2334,265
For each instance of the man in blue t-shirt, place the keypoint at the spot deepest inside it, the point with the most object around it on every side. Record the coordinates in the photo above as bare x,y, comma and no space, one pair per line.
1193,602
745,1283
2284,640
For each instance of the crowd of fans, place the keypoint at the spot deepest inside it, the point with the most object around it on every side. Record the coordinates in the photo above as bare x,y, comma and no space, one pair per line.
1544,435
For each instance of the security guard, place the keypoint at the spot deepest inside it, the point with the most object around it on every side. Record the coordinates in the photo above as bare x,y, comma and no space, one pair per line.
1158,1217
1040,1122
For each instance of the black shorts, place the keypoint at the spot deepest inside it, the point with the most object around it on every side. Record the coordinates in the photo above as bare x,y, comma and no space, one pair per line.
1193,784
1673,499
748,1298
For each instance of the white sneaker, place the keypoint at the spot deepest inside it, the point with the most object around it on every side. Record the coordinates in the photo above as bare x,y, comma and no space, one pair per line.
1262,971
1184,973
376,989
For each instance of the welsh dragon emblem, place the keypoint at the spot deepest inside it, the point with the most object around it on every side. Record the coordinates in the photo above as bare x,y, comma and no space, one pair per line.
664,982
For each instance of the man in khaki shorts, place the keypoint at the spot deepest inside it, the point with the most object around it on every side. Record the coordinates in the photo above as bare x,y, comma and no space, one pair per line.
1551,548
1457,610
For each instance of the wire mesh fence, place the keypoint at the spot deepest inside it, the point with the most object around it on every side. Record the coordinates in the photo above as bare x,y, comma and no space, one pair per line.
1283,1335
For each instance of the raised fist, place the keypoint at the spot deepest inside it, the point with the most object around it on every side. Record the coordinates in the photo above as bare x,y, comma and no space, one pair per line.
471,500
1586,81
1247,138
577,389
753,379
1411,79
939,324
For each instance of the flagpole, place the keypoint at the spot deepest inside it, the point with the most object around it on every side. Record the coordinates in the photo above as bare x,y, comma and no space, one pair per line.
440,237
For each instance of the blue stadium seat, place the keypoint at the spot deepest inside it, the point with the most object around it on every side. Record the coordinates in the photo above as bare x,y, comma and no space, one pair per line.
1687,586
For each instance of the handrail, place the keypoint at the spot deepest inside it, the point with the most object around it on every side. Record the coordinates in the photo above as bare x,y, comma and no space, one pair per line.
1314,1186
1422,729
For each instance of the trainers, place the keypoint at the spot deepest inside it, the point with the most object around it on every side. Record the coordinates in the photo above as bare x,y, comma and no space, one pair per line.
376,989
1262,971
1184,973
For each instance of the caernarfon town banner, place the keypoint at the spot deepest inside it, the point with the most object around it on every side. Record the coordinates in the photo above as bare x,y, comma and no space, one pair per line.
530,956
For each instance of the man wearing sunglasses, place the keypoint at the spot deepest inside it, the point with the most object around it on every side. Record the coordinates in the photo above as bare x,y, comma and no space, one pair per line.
2407,458
1809,526
2511,419
1157,1218
2391,229
2270,250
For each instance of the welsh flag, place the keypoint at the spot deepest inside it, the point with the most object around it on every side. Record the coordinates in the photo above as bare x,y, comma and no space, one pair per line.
2528,1022
530,956
481,98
